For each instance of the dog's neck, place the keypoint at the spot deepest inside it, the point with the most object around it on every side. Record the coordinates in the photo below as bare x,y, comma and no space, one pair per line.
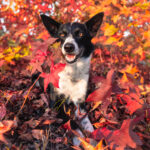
74,80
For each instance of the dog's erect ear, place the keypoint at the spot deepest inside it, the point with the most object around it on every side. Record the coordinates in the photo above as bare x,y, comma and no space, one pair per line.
94,23
51,25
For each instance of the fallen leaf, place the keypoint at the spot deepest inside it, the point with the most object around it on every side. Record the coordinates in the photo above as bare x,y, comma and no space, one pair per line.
32,123
133,102
48,122
85,144
52,77
38,134
104,91
119,139
2,111
88,146
67,125
4,127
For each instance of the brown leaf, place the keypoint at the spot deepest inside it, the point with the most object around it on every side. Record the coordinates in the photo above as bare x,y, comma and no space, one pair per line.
32,123
2,111
26,136
38,134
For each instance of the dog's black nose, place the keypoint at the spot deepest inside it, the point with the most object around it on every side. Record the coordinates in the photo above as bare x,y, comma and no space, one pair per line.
69,47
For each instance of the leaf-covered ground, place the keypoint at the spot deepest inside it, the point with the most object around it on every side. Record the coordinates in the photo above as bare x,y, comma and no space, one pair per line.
119,111
118,100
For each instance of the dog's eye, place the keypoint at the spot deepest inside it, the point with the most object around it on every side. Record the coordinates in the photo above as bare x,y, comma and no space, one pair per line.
81,34
62,34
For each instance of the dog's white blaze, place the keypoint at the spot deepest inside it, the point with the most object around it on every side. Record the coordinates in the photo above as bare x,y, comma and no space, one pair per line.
74,79
70,39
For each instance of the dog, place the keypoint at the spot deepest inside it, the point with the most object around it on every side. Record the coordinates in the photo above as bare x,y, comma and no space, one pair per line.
77,49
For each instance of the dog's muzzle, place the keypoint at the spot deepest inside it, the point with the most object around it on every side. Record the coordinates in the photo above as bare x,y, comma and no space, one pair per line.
70,52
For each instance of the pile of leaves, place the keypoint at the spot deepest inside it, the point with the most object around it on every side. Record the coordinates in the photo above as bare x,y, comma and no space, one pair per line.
119,110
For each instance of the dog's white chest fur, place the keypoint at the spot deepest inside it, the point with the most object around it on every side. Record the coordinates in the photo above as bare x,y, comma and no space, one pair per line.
74,80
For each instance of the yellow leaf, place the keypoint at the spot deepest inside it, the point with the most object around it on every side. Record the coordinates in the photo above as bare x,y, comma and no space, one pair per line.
115,18
96,104
1,55
99,146
17,56
56,45
139,51
143,5
86,145
111,40
120,43
130,69
145,89
124,78
114,2
100,123
9,50
16,49
110,30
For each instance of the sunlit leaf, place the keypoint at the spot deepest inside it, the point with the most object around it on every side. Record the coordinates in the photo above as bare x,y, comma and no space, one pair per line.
110,30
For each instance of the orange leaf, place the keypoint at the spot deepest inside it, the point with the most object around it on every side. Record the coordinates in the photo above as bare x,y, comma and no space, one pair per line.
86,145
99,146
4,127
130,69
140,52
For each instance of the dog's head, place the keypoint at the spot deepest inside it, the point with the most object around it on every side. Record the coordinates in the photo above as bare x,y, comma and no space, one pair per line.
75,37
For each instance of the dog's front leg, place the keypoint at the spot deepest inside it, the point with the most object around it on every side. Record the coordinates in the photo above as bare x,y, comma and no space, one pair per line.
85,125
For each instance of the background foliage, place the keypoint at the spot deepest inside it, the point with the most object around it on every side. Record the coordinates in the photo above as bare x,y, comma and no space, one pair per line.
122,43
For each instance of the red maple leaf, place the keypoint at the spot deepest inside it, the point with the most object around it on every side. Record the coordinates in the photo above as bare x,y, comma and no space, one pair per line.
67,125
52,77
104,91
120,138
38,60
133,102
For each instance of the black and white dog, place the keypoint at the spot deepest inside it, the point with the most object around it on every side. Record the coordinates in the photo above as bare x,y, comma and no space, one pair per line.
76,48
